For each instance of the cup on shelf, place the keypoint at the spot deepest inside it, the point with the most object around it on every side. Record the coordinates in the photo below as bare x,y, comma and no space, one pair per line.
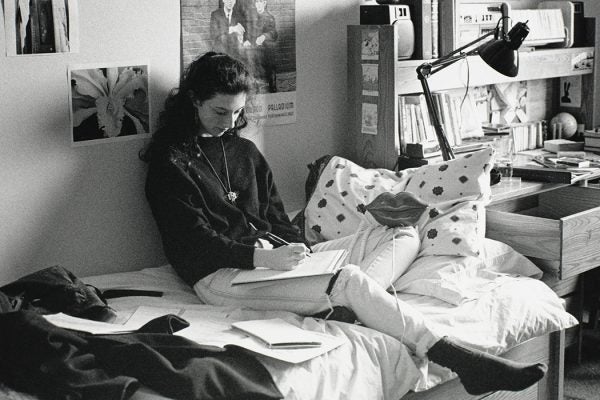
505,157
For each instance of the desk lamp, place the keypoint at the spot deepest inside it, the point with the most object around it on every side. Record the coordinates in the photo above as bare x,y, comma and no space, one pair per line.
500,53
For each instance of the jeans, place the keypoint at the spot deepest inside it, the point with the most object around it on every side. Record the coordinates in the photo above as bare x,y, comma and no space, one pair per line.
353,288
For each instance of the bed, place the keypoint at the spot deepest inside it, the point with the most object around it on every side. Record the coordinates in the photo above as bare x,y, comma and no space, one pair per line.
490,299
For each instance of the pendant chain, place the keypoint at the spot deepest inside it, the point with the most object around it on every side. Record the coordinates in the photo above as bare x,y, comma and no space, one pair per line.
231,195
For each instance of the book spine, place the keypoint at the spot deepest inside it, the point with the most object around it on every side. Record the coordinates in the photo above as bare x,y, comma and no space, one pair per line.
420,14
435,29
592,149
590,133
543,175
447,15
426,34
402,129
591,141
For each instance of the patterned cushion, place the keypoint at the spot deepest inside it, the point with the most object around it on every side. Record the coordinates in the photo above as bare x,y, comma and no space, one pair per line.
462,179
457,231
338,203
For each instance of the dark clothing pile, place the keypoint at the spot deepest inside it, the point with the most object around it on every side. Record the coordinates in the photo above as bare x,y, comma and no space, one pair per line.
40,358
52,290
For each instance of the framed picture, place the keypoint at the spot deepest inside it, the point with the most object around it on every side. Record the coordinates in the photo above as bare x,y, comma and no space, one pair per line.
109,102
36,27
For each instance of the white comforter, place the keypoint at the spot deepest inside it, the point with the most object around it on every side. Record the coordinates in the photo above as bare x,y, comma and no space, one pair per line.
486,303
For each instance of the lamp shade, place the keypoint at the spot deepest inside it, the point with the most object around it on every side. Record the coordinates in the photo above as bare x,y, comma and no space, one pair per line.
501,54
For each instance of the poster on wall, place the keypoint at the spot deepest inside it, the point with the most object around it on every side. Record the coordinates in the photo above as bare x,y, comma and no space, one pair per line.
108,102
369,119
41,27
370,80
570,91
262,34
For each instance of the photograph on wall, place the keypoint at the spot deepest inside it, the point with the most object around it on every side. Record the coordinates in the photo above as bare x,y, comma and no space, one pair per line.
582,61
570,91
370,44
370,80
41,27
509,102
369,119
108,103
260,33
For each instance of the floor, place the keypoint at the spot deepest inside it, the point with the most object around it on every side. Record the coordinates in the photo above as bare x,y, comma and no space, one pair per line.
582,380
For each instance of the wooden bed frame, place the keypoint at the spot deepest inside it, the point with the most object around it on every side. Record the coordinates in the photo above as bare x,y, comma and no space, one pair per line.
549,349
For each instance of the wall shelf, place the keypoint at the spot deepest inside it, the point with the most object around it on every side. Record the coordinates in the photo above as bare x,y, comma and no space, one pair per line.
380,146
537,64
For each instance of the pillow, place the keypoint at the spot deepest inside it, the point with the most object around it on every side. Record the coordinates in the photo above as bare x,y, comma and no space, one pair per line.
456,279
513,308
457,231
338,203
501,257
461,179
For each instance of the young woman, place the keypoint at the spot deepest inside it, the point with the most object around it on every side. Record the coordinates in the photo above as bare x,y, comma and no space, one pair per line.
208,187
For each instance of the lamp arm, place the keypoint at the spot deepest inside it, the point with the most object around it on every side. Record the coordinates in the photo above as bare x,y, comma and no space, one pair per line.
494,32
429,68
445,148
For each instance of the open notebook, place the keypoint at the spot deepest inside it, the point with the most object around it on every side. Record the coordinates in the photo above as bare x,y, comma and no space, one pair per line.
279,334
319,263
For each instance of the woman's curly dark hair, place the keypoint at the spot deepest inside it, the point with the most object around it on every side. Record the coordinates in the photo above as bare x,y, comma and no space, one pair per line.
210,74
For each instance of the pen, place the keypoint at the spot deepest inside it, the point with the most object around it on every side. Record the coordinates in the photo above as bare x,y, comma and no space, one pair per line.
273,237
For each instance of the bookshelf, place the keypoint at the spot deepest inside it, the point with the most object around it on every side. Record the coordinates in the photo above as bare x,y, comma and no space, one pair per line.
541,69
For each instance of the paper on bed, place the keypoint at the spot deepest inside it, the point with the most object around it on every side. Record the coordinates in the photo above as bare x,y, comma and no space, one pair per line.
319,263
277,333
139,318
86,325
215,331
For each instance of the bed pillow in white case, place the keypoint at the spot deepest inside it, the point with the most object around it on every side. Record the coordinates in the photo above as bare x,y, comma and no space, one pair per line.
338,203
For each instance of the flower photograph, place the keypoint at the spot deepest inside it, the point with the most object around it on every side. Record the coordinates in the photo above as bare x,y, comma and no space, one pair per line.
109,103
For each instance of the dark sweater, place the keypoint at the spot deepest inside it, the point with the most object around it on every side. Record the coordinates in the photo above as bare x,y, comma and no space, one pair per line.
201,230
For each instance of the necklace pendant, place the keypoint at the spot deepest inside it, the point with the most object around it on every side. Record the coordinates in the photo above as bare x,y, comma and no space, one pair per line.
232,197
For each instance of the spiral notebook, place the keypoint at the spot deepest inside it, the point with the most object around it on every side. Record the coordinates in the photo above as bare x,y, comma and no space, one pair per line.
319,263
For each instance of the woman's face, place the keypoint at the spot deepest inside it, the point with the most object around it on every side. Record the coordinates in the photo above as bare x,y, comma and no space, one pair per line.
219,114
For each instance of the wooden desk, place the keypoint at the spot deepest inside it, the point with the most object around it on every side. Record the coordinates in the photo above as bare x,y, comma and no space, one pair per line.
557,226
506,190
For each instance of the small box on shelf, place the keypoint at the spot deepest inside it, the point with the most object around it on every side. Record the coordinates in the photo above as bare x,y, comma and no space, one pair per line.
556,145
591,140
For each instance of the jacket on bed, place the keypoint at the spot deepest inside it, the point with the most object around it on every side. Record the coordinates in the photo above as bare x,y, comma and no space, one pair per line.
55,289
55,363
201,230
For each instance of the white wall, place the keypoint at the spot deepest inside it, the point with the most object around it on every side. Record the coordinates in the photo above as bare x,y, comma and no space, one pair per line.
321,96
84,207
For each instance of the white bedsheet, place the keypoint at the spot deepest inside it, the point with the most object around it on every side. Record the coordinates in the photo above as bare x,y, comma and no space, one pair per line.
372,365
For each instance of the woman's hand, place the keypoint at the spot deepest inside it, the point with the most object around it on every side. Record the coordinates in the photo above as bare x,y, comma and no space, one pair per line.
284,258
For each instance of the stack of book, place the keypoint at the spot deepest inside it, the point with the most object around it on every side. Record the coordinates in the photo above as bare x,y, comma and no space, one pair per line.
459,120
591,141
527,135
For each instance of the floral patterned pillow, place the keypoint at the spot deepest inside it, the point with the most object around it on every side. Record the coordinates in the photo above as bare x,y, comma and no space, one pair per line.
338,203
456,231
462,179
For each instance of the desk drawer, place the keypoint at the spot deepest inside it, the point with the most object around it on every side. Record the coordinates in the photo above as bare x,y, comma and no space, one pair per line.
559,230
